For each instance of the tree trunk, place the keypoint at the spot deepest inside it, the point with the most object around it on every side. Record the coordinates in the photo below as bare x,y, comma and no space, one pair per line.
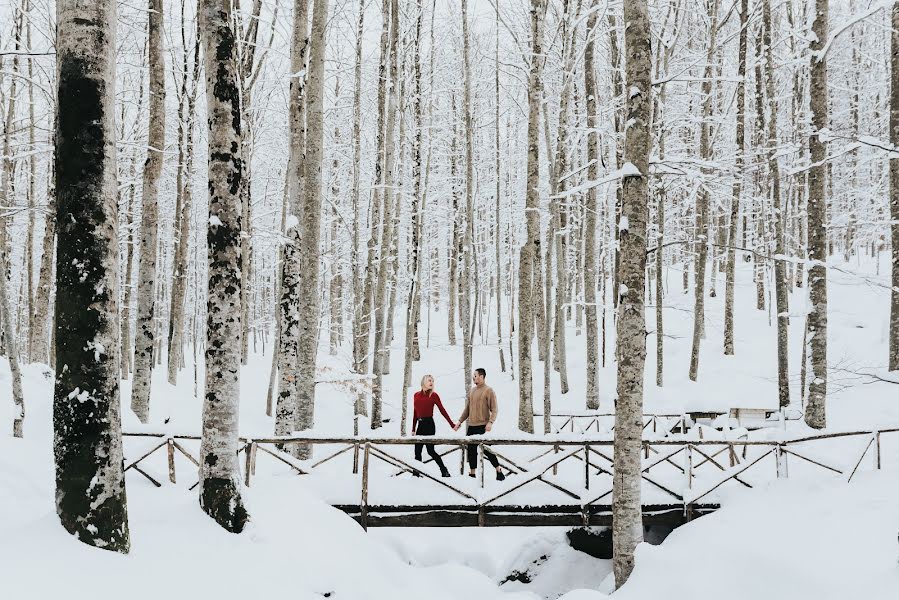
592,93
87,442
468,260
894,190
817,219
528,292
219,471
40,322
179,274
311,209
627,514
738,183
391,21
497,236
703,200
781,287
414,290
146,278
288,359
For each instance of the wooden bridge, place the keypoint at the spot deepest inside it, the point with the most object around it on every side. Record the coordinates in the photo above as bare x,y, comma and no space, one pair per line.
557,480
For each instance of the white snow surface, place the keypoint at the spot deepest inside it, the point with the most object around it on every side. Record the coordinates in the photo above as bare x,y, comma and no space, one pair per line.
799,538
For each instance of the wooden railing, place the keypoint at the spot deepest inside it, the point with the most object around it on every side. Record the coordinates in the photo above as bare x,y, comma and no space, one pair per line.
588,500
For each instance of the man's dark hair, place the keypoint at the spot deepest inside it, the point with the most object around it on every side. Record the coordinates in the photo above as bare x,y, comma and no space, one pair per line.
482,372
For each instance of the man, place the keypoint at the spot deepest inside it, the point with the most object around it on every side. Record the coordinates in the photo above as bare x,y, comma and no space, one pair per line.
480,411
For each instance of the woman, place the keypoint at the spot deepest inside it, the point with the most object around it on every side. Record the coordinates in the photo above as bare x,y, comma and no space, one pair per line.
423,404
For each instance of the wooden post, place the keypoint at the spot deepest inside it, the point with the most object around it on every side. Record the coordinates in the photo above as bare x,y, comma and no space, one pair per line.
877,450
481,461
781,456
555,466
586,468
170,448
248,465
463,451
688,465
363,505
253,469
355,458
731,454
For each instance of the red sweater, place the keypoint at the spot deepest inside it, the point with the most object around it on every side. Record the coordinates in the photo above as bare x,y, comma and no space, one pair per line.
424,403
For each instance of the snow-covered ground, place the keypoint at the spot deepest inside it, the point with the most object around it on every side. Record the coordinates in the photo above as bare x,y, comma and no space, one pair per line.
796,538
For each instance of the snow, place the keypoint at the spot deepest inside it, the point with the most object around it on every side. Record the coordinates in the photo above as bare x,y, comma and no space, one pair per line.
807,537
214,221
629,169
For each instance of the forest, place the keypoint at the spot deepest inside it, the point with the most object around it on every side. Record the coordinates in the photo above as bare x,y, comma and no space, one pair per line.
618,230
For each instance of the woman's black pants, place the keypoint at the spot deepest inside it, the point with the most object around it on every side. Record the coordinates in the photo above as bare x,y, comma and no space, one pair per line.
426,426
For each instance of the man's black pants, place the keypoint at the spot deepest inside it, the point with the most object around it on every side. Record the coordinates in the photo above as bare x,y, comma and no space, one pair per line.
425,426
472,449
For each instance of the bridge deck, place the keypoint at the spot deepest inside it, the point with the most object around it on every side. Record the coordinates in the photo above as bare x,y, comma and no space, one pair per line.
514,516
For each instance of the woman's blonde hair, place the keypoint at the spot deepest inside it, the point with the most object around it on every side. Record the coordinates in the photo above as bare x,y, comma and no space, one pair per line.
423,380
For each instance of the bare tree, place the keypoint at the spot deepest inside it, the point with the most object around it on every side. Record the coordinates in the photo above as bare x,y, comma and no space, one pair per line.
529,255
146,279
307,343
703,200
738,183
591,91
894,189
87,442
219,472
817,217
627,515
781,286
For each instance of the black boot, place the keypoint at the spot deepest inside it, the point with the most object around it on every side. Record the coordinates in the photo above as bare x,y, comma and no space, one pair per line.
500,476
445,473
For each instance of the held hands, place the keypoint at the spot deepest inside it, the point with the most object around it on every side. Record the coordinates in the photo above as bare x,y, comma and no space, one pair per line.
457,426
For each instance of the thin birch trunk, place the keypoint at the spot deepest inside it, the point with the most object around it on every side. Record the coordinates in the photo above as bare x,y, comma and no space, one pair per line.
529,254
592,93
287,406
414,290
185,191
146,278
781,286
703,201
391,16
87,441
894,191
497,236
815,415
627,530
468,259
360,330
730,276
311,208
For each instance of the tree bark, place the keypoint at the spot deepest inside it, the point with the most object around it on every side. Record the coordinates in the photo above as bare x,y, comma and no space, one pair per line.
288,360
219,471
87,441
627,531
894,190
703,200
592,93
311,209
781,286
729,282
817,219
391,16
146,278
189,89
529,254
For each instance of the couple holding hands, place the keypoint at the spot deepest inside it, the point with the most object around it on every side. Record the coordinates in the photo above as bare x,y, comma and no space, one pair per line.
480,412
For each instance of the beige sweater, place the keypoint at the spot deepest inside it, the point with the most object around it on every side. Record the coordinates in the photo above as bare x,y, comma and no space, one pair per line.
480,406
